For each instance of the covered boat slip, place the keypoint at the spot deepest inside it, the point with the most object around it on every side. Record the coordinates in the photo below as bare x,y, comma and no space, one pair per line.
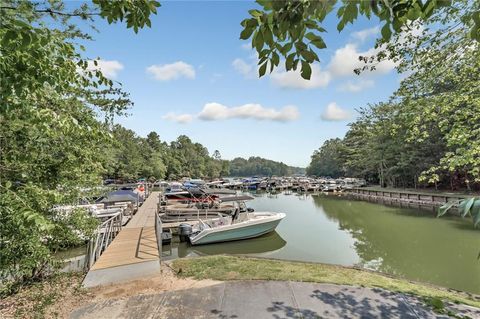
134,251
175,211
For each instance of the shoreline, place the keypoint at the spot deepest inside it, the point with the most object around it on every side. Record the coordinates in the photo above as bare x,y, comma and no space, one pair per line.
61,295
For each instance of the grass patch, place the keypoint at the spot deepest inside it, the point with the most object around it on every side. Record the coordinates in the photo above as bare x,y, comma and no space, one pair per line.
42,299
245,268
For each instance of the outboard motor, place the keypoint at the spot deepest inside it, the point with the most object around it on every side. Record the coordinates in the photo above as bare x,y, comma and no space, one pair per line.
184,230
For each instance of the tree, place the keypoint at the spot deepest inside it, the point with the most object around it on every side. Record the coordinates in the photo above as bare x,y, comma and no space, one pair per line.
51,139
291,30
428,131
328,161
216,155
259,166
153,140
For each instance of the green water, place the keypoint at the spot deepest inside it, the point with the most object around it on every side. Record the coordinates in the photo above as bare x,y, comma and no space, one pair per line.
409,243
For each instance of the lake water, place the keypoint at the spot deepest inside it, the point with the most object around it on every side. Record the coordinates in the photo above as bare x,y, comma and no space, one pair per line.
409,243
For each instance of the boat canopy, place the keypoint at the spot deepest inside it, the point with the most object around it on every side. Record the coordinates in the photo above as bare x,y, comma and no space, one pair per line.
121,196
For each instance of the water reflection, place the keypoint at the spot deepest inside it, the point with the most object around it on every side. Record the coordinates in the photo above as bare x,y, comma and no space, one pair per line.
265,244
409,242
330,229
402,241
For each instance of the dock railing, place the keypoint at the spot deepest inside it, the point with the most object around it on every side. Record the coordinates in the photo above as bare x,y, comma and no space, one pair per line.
102,237
158,234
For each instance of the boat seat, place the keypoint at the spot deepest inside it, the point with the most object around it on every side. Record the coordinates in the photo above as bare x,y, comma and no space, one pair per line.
242,217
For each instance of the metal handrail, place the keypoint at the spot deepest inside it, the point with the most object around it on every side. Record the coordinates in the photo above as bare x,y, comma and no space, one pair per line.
158,234
102,238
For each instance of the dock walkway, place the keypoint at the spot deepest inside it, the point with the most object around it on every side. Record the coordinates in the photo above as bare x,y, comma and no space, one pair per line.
133,253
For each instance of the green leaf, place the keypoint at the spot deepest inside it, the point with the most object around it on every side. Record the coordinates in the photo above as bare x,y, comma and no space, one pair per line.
306,71
350,12
308,56
26,39
397,24
287,47
262,69
268,36
275,59
386,32
255,13
258,41
319,43
9,35
468,204
444,208
475,212
413,13
311,36
246,33
289,62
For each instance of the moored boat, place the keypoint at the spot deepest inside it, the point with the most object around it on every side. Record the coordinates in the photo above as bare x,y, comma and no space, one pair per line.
239,226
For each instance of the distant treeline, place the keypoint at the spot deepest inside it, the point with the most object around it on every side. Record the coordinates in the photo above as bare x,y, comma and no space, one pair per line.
131,156
261,167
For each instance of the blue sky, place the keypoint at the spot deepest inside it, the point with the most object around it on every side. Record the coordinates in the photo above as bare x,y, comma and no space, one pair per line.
191,74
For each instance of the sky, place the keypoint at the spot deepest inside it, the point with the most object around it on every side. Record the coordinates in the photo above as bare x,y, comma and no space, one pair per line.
191,74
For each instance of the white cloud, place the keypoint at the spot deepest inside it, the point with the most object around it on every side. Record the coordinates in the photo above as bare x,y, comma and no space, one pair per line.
333,112
346,60
356,86
243,67
217,111
180,118
293,79
342,64
173,71
364,34
109,68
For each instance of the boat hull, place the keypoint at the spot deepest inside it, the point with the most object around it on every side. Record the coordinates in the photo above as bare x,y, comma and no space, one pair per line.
237,233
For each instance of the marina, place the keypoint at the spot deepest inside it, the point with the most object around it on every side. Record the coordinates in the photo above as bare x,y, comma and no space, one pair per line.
183,159
334,227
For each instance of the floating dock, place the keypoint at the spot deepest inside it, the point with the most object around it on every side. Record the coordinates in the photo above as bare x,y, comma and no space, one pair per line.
134,251
422,200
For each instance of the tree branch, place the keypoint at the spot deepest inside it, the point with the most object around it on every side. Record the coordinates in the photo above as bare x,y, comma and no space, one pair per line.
52,12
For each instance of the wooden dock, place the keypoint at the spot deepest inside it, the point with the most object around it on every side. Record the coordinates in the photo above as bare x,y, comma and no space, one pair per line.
423,200
133,253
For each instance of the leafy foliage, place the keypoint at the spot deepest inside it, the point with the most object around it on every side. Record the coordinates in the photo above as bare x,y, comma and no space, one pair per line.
328,161
292,30
130,157
51,139
260,166
429,130
467,207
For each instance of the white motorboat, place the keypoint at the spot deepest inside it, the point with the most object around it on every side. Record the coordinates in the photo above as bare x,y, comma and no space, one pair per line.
239,226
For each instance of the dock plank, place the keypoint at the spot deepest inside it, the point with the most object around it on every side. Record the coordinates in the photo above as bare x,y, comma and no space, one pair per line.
146,213
136,242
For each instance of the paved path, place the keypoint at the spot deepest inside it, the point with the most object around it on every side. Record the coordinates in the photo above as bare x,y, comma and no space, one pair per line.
269,299
133,253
